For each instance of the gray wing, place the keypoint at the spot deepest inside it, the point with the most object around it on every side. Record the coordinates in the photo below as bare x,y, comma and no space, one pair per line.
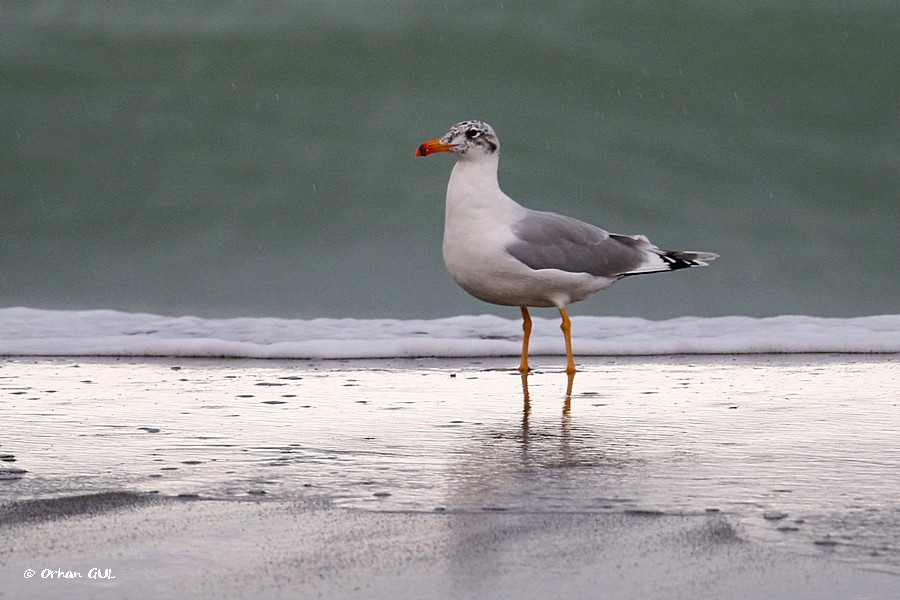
547,240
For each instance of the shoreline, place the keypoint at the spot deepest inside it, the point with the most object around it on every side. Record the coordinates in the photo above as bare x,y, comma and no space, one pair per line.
669,478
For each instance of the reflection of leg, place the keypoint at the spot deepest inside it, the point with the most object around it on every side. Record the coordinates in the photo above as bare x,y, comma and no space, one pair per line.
526,329
567,332
526,407
525,395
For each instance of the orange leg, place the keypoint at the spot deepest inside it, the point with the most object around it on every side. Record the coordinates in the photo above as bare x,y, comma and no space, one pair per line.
567,332
526,328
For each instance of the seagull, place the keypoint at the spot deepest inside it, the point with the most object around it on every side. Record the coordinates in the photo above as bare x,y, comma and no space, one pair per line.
503,253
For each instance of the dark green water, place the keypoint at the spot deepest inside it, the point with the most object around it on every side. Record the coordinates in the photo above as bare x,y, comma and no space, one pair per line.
224,158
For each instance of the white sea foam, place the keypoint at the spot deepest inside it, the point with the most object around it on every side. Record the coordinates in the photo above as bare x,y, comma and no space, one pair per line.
31,332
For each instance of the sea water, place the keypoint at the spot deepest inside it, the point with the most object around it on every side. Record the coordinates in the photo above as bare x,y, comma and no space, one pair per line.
221,159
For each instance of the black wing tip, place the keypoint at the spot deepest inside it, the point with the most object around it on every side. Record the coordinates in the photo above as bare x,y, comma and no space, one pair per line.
684,260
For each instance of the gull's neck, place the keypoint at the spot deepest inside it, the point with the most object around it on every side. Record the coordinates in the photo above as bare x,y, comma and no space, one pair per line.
473,185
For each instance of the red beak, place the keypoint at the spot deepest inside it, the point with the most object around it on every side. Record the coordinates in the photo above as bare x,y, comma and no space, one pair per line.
432,147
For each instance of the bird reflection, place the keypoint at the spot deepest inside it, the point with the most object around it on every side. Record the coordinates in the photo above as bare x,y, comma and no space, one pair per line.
540,461
566,410
567,403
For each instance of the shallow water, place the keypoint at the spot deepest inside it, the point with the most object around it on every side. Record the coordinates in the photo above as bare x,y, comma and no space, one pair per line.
799,450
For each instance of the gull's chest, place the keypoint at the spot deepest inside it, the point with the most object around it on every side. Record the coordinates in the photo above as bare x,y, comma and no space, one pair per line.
478,226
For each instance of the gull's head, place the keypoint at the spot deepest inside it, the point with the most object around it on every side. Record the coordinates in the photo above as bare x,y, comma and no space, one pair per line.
469,138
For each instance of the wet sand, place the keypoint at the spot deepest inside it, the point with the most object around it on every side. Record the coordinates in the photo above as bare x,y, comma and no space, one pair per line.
670,477
207,549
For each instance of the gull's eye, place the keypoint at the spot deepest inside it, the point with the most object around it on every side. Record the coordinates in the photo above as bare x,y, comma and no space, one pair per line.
473,133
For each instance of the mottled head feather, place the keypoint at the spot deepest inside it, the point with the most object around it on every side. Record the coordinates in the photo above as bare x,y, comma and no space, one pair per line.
470,136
